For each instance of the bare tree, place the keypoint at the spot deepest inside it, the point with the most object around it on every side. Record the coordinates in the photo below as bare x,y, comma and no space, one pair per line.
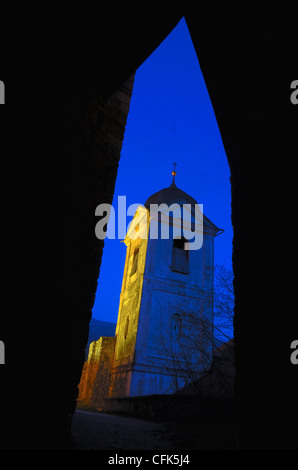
201,347
223,301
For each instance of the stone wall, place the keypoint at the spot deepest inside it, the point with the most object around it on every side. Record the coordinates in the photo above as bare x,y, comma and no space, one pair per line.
96,375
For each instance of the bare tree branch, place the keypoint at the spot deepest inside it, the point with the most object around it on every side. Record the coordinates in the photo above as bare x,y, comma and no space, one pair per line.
189,354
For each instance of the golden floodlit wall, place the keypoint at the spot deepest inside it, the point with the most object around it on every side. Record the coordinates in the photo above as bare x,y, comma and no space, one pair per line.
129,306
96,376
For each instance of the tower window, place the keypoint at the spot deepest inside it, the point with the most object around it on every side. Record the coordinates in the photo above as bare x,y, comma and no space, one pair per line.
134,262
176,327
180,256
126,327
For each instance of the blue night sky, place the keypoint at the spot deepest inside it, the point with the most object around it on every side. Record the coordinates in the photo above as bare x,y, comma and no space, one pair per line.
170,119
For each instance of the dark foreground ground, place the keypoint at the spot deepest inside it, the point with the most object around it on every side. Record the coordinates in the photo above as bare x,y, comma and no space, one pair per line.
101,431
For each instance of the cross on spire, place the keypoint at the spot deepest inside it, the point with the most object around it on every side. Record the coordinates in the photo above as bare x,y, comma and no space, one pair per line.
174,173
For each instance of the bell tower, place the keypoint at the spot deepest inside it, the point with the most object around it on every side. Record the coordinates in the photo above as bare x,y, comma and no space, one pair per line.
167,287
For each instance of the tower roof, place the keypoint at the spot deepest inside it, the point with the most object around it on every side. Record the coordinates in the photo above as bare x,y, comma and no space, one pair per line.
169,196
174,195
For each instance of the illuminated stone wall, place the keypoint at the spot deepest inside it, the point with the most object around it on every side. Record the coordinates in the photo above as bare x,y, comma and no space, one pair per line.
96,376
149,356
152,296
128,315
158,367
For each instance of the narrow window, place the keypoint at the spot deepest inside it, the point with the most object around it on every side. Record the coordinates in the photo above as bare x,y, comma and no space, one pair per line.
176,334
176,327
180,256
134,261
126,327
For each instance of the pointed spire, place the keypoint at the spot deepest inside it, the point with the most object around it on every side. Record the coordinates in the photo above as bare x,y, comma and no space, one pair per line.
174,173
